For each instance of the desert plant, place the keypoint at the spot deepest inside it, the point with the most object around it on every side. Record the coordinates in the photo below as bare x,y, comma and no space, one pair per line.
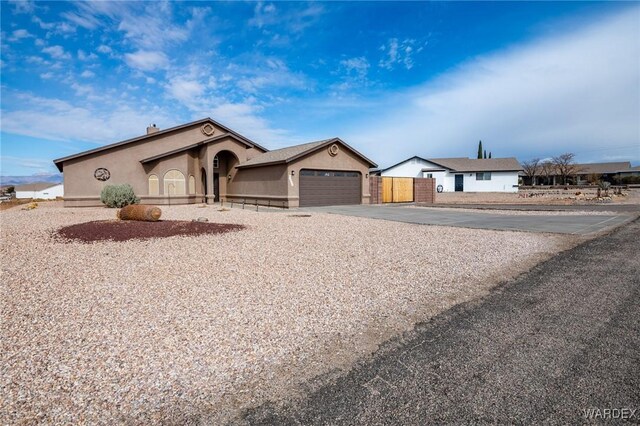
118,196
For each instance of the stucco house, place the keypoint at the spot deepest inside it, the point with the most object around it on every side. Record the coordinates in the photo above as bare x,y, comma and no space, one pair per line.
40,191
461,174
205,161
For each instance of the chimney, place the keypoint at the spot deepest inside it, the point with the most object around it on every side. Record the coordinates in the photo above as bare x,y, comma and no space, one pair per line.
152,129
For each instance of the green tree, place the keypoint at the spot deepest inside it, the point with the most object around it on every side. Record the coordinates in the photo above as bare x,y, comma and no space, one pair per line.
480,149
485,154
489,154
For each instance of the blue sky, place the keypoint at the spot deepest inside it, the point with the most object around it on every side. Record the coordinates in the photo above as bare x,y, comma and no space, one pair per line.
394,79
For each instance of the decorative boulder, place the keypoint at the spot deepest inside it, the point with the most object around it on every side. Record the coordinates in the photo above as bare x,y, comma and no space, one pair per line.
140,212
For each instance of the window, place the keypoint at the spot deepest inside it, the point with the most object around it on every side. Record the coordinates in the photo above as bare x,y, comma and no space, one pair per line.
154,185
429,175
173,183
192,185
483,176
307,173
216,162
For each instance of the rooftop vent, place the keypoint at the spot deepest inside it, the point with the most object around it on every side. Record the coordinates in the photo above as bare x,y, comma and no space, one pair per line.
152,129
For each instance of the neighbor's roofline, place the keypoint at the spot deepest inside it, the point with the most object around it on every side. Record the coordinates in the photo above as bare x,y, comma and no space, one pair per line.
402,162
307,152
59,162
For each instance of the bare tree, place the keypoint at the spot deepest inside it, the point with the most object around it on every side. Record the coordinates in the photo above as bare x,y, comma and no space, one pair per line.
547,169
565,166
530,169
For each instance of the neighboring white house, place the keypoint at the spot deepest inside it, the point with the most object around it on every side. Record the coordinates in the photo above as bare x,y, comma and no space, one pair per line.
461,174
40,190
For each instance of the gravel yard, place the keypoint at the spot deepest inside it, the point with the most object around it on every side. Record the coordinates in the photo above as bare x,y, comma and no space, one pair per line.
195,328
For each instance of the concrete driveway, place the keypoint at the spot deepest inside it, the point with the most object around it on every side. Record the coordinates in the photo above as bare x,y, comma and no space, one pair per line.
564,224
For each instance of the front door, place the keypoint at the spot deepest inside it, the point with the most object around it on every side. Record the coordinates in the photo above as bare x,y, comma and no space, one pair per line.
216,187
459,183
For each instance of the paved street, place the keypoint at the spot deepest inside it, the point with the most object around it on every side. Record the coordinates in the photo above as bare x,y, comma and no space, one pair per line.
543,348
483,219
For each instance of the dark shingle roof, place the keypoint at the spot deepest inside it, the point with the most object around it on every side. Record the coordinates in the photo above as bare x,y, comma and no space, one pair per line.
603,168
60,161
36,186
478,165
286,155
194,145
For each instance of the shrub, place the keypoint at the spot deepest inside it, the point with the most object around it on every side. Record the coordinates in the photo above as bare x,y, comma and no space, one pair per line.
118,195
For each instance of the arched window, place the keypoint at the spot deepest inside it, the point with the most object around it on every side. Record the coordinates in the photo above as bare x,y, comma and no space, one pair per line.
216,162
154,185
173,183
192,185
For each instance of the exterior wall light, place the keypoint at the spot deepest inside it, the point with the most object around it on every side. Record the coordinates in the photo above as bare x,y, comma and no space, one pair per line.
366,176
293,172
229,177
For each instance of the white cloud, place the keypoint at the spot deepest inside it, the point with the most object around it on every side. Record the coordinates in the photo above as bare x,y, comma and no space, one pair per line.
104,49
571,93
19,34
147,25
147,60
58,120
23,6
36,60
398,53
42,24
357,66
86,21
87,74
56,52
186,91
39,166
295,20
46,75
86,57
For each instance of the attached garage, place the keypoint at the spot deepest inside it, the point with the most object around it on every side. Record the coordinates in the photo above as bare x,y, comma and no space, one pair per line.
329,188
322,173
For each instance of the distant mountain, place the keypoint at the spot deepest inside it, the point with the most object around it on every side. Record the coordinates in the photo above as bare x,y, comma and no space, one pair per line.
23,180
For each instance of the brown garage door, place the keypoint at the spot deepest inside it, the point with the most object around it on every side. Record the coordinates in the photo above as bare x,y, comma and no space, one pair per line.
329,188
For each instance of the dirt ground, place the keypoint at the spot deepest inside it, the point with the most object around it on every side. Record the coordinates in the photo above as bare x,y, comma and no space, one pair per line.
538,197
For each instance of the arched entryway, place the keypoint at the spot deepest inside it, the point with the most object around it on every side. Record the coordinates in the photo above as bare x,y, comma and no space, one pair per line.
223,172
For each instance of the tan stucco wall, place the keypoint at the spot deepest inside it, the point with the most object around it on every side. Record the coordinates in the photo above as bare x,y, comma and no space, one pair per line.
275,184
346,160
266,184
123,162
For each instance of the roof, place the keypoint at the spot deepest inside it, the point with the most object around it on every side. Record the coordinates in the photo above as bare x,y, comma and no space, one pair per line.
37,186
478,164
603,168
292,153
194,145
402,162
60,161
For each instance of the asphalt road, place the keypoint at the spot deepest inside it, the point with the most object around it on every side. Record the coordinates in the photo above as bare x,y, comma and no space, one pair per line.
483,219
543,348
